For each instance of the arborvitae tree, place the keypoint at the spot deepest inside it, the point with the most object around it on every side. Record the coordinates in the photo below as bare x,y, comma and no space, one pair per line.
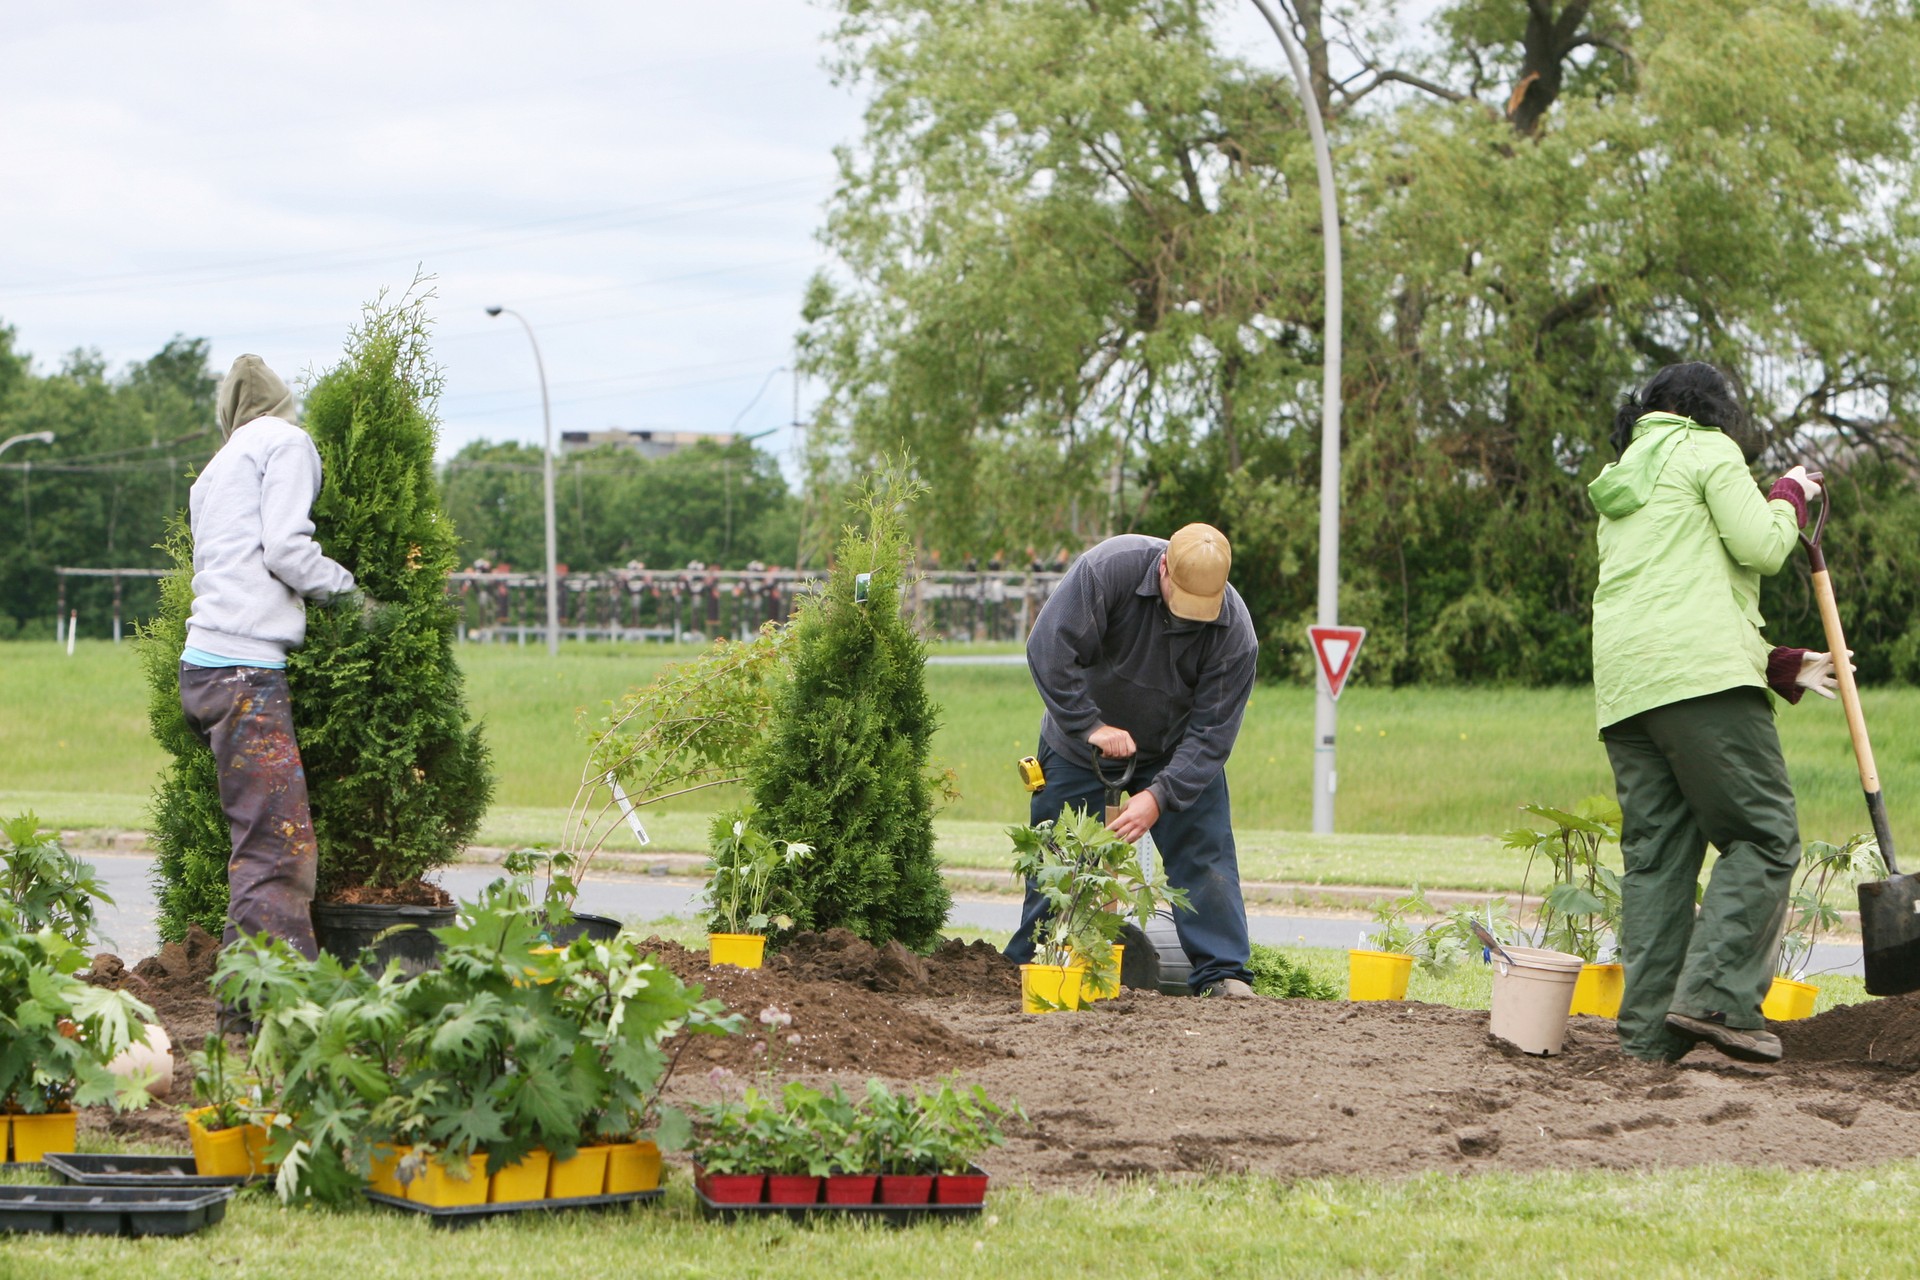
397,775
845,766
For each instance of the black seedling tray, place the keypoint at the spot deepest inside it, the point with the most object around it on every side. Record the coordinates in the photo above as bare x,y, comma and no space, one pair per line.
135,1171
112,1211
892,1214
467,1214
20,1166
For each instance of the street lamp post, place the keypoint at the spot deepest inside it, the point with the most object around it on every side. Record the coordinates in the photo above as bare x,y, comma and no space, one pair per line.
546,454
41,437
1325,719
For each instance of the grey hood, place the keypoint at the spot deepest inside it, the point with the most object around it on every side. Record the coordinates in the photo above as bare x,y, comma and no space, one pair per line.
251,390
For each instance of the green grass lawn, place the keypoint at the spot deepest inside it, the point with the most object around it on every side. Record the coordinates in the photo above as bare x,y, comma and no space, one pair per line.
1426,775
1689,1222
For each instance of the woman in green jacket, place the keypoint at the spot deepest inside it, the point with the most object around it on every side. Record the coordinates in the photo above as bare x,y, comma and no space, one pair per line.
1680,676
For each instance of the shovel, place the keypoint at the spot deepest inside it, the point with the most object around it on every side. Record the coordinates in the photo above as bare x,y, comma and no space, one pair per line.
1890,908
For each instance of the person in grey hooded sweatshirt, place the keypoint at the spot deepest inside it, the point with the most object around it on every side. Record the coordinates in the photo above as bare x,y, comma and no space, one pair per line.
255,564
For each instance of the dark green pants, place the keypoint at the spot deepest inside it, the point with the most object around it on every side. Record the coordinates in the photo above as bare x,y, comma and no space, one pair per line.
1703,771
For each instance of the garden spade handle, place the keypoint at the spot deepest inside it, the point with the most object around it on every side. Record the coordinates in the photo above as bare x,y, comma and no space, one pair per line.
1849,693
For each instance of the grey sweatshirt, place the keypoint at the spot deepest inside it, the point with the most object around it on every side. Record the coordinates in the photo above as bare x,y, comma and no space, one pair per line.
254,557
1106,650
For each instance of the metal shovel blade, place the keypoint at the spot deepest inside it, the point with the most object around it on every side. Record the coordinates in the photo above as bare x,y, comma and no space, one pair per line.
1890,934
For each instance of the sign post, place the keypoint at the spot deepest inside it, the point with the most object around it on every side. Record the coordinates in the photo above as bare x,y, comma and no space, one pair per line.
1334,649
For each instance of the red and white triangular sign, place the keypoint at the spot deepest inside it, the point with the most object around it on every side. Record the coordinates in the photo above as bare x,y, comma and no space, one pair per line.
1335,649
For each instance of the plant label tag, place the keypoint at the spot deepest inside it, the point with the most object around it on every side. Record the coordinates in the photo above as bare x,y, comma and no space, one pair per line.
626,810
1334,649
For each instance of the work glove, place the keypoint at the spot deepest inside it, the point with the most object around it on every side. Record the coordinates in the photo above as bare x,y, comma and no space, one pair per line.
356,601
1809,481
1817,673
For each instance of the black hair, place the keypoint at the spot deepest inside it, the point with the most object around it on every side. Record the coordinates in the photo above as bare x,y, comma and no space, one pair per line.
1692,390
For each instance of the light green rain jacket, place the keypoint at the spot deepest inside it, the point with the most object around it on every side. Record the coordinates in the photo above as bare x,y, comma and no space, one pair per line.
1685,537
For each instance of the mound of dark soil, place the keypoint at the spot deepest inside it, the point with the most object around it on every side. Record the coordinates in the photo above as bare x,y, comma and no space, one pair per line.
1884,1031
957,970
836,1028
175,984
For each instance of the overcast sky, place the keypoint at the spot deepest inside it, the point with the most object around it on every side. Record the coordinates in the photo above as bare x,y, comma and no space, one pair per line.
642,180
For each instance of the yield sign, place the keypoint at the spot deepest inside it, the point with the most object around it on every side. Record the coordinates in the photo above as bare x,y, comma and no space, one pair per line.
1335,649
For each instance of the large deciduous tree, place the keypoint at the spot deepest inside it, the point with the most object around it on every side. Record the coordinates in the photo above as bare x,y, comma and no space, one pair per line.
1078,273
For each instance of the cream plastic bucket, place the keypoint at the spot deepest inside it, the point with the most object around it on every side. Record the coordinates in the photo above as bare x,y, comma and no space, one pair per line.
1531,997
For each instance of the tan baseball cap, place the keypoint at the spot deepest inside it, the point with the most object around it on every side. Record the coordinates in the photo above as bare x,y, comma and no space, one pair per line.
1198,558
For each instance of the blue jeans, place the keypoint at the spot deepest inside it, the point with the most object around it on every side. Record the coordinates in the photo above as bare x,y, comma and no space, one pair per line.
1196,853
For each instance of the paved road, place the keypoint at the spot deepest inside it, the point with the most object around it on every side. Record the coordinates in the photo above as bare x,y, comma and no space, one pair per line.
129,924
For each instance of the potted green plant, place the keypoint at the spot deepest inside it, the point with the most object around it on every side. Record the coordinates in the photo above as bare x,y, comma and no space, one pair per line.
1379,969
853,1158
1094,885
962,1123
43,885
801,1146
1580,908
735,1134
225,1129
398,772
903,1144
545,883
1822,866
748,872
57,1035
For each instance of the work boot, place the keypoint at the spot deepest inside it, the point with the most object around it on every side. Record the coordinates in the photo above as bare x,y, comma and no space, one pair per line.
1230,988
1736,1042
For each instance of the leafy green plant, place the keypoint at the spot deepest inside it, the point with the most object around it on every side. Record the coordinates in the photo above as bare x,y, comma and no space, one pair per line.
845,768
511,1044
1393,932
231,1095
960,1124
1580,909
1276,976
1447,942
43,885
897,1132
735,1134
1821,866
696,725
748,872
57,1033
1093,883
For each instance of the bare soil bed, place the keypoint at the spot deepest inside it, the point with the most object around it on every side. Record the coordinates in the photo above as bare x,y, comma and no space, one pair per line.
1151,1084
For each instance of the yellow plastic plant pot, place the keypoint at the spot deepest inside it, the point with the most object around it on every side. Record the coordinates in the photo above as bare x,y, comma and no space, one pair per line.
741,950
1091,989
1046,988
444,1188
582,1174
239,1151
1788,1000
386,1158
6,1136
34,1136
632,1166
525,1180
1598,989
1377,975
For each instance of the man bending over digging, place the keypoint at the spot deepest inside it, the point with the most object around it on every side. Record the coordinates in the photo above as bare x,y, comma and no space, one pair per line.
255,563
1145,650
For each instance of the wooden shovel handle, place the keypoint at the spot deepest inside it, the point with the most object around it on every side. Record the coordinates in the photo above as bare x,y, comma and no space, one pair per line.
1843,677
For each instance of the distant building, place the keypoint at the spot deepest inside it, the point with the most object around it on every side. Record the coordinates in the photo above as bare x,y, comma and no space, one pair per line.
647,443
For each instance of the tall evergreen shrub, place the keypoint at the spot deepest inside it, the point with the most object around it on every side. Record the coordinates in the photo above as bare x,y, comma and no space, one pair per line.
844,768
397,774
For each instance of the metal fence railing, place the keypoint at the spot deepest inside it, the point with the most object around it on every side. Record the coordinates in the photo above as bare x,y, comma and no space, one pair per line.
686,605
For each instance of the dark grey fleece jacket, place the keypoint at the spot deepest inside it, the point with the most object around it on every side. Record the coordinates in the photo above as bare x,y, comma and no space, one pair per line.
1106,650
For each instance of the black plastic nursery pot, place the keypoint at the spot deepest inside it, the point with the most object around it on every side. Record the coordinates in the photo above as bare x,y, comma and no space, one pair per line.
344,930
599,928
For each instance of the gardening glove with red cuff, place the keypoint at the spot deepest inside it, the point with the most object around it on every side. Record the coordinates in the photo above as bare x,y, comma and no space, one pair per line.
1791,672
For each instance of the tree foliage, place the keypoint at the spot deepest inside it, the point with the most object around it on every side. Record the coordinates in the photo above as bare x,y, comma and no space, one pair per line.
723,505
1079,275
101,494
844,768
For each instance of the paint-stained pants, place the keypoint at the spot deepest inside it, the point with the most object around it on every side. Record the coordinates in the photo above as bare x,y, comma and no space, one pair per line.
1198,854
1693,773
244,714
